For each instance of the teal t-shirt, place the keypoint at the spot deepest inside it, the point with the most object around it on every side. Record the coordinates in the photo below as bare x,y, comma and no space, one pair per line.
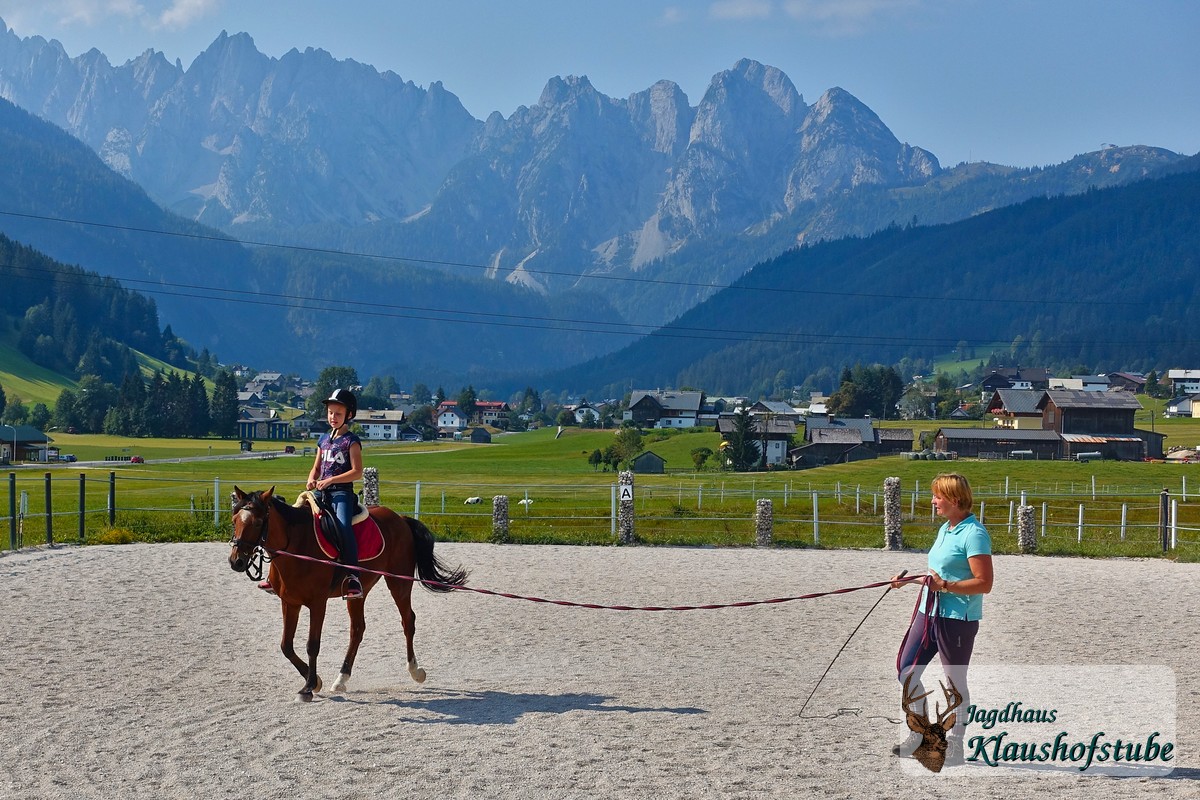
948,558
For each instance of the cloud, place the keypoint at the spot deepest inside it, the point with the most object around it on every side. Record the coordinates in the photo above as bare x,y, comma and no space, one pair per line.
182,13
845,17
672,15
93,12
741,9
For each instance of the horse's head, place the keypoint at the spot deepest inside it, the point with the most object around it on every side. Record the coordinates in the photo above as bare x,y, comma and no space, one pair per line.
251,514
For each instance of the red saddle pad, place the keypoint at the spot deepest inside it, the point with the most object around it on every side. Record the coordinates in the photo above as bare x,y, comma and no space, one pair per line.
366,533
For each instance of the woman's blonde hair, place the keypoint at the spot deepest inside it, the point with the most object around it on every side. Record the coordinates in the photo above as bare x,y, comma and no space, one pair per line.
953,487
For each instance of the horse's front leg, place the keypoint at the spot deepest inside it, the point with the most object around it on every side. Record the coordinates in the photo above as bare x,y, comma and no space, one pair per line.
358,626
287,643
316,620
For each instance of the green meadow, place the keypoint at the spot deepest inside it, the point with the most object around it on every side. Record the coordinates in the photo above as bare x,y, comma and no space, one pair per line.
182,494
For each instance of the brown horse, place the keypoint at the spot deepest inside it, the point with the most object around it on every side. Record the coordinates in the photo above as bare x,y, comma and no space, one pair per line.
262,520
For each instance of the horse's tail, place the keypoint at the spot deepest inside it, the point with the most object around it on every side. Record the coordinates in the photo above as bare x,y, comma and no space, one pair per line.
429,566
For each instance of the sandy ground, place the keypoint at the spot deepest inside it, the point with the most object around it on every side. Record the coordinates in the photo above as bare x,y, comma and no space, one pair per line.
153,671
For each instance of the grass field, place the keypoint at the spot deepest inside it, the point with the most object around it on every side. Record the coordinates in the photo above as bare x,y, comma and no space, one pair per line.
22,378
172,497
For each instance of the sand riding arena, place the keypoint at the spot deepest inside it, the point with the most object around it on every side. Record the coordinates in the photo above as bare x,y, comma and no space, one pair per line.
153,671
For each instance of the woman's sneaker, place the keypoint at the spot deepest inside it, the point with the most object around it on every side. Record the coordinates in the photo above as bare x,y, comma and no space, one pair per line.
906,748
352,588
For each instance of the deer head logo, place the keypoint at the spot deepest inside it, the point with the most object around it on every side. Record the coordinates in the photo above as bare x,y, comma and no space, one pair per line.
931,753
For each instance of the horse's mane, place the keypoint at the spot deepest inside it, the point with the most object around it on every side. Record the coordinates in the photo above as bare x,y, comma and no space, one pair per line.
290,513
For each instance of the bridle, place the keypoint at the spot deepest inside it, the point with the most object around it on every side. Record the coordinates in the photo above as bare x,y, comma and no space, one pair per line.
259,553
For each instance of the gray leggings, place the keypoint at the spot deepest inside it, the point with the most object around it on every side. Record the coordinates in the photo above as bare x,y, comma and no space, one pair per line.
953,640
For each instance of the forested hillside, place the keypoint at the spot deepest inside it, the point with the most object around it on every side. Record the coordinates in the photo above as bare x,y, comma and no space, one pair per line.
77,322
1094,282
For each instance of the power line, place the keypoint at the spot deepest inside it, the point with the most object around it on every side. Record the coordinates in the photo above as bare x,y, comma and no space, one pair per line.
496,319
1041,301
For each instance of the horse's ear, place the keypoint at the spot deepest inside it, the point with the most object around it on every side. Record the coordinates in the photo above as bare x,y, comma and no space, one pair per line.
238,493
268,494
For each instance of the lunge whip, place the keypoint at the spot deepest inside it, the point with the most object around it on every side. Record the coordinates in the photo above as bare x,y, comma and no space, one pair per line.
844,644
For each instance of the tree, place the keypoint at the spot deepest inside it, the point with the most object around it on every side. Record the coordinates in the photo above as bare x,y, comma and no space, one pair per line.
595,459
700,455
92,402
627,444
421,395
740,448
467,402
330,378
224,406
3,400
200,414
15,413
39,417
1153,388
66,418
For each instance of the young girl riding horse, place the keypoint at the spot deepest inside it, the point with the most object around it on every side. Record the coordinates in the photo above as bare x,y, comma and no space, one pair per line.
337,465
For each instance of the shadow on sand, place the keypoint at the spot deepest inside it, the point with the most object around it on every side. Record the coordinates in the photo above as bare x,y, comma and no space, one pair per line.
504,708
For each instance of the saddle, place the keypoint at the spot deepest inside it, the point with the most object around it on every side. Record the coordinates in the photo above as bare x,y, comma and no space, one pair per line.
329,533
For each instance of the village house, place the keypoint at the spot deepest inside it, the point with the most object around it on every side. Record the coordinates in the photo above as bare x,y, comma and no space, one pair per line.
1098,422
1127,382
772,433
383,425
491,412
450,419
23,443
1015,409
664,409
257,424
998,443
837,440
1184,381
775,409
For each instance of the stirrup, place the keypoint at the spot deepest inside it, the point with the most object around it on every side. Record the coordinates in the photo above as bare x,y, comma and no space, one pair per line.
352,588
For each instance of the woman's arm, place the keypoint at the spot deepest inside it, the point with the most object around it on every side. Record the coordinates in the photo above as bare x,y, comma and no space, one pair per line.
980,581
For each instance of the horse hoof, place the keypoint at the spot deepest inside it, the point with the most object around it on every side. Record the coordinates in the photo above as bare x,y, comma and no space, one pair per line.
304,696
343,680
417,673
319,685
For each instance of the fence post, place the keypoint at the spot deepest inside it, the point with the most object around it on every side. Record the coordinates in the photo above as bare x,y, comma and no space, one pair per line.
1174,521
1011,507
82,505
417,502
1163,497
816,521
893,525
1124,517
613,511
625,507
217,503
370,494
1026,536
49,514
1044,516
500,519
1081,523
112,499
12,511
764,521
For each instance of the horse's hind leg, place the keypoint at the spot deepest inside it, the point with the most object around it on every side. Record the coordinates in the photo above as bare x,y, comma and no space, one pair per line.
358,627
402,593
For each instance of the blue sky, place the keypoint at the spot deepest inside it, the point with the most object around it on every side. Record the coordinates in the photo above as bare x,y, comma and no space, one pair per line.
1021,82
